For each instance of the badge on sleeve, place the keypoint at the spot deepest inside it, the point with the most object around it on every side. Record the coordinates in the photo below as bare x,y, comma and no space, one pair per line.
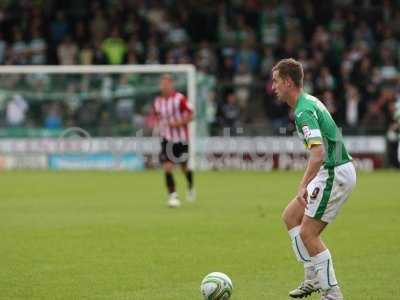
306,131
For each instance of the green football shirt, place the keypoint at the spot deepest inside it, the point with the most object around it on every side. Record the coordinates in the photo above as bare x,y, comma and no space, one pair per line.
315,126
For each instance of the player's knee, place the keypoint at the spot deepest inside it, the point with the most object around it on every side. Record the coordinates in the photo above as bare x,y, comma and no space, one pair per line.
168,167
291,216
307,235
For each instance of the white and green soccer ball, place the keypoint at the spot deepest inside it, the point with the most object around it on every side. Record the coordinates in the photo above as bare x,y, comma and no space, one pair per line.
216,286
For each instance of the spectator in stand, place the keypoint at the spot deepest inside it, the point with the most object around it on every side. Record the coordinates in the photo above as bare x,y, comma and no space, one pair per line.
157,16
361,75
352,105
244,33
98,55
271,26
136,46
385,101
132,25
176,54
105,127
67,52
364,34
37,48
267,61
374,118
211,115
228,49
98,25
276,111
53,118
152,55
176,34
131,58
80,34
125,104
86,55
308,84
206,58
247,56
231,114
87,114
227,71
242,80
16,111
59,28
114,47
325,80
329,100
19,48
320,38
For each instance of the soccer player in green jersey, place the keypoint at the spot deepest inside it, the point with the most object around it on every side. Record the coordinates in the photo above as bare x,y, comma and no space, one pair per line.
327,182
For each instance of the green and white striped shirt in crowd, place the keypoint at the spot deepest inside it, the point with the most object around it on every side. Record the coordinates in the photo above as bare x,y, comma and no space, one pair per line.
315,126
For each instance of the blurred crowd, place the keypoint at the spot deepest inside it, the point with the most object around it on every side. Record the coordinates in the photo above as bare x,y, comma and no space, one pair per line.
349,49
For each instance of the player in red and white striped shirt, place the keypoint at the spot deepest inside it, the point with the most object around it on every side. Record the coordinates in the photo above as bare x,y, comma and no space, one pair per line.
174,115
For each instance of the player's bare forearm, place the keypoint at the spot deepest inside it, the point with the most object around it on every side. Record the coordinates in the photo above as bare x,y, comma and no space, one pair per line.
317,155
184,121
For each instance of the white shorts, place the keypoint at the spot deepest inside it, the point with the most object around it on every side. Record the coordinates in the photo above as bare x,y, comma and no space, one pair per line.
329,190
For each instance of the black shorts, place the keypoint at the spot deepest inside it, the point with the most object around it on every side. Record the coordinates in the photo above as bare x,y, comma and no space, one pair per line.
176,153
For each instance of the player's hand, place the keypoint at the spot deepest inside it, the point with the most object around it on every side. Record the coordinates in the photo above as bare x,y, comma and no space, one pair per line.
302,196
174,124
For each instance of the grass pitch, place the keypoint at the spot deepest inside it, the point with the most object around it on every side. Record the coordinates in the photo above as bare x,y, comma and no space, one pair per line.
92,235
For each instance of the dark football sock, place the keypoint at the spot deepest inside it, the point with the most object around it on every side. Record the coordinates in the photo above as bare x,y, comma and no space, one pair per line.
169,180
189,178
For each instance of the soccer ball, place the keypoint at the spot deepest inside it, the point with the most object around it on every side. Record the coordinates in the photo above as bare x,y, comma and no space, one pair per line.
216,286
